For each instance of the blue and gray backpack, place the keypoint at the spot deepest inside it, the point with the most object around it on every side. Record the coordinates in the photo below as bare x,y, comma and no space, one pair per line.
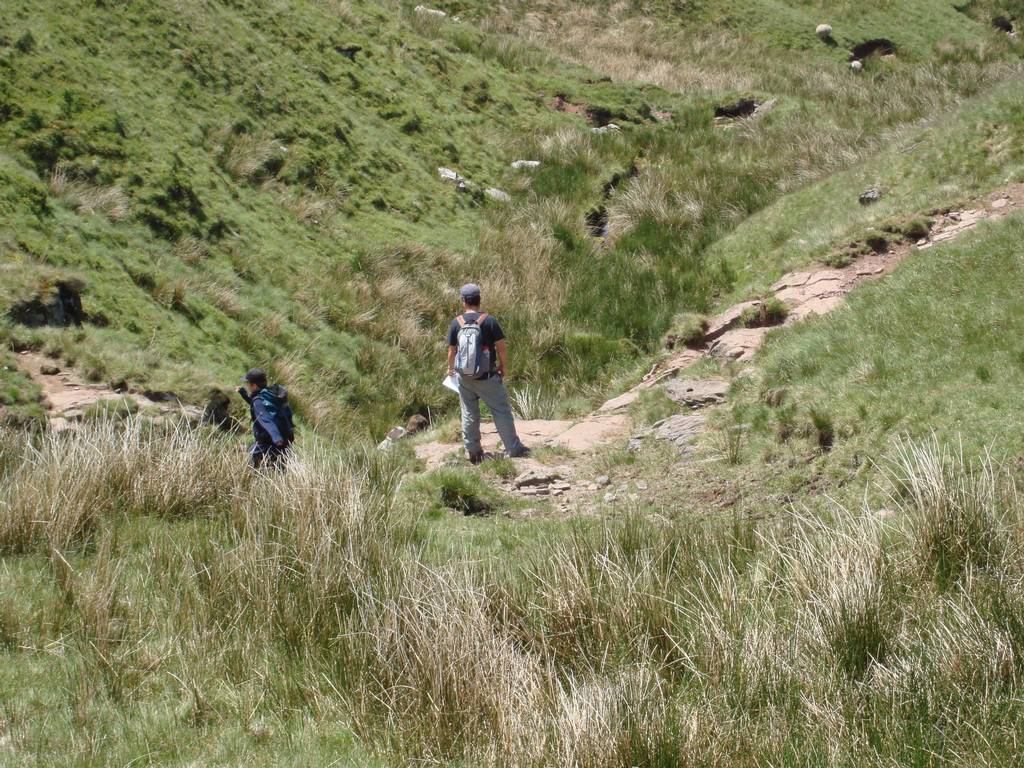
472,356
275,399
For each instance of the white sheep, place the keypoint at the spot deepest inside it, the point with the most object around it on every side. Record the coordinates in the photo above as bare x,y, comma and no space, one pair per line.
824,31
498,194
856,65
429,11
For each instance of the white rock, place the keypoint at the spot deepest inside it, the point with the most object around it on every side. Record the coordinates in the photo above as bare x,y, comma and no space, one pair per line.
430,11
449,175
525,164
609,498
536,477
824,31
535,490
498,194
611,127
641,485
602,481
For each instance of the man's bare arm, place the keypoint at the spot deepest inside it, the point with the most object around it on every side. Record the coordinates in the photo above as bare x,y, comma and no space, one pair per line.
451,360
500,346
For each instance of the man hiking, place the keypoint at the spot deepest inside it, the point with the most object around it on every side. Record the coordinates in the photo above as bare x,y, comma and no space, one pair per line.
476,353
272,425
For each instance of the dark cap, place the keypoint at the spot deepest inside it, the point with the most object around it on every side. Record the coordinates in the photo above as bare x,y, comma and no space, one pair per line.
470,293
256,376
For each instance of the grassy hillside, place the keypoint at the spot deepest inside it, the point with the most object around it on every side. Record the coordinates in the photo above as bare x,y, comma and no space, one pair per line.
248,183
933,350
927,350
233,183
256,183
948,161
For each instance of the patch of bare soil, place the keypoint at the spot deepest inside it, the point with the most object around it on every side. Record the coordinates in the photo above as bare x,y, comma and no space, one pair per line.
561,104
66,396
881,47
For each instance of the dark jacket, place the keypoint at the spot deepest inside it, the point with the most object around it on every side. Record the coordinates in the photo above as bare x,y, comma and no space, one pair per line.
271,416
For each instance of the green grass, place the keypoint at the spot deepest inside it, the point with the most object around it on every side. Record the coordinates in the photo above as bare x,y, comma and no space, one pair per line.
932,349
315,616
276,190
237,184
652,406
19,395
455,491
952,159
258,185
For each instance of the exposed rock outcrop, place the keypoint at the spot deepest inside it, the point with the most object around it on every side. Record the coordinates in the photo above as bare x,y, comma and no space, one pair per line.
454,177
59,306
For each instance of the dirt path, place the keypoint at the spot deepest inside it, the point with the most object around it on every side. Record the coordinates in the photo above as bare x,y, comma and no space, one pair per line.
805,293
66,396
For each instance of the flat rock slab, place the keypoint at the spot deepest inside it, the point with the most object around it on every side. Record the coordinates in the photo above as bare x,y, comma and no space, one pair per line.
817,305
531,432
798,287
682,430
536,477
434,454
622,401
728,319
696,392
537,430
738,344
670,367
593,432
581,436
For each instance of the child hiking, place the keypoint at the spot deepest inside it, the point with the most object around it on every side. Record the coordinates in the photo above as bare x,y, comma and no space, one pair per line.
272,426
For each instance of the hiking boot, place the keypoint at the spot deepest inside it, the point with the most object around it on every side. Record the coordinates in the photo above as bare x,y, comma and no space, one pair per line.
523,454
476,458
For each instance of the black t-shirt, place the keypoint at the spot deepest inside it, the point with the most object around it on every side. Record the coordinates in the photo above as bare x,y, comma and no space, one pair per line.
490,332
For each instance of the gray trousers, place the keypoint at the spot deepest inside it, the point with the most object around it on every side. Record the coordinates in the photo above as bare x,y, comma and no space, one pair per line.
492,391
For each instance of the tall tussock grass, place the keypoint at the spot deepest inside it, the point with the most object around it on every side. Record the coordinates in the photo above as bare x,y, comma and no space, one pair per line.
66,485
854,640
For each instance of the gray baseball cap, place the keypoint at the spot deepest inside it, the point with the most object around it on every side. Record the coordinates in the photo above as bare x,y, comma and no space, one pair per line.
470,292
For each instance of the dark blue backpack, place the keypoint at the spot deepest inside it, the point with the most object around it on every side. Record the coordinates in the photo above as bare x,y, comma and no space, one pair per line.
275,399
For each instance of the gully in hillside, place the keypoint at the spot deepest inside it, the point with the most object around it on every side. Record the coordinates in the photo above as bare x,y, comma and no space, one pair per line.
476,353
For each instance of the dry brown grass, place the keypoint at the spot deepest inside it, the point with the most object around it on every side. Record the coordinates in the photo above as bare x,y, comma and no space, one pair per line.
224,297
60,495
83,197
245,155
633,643
626,46
307,206
191,250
